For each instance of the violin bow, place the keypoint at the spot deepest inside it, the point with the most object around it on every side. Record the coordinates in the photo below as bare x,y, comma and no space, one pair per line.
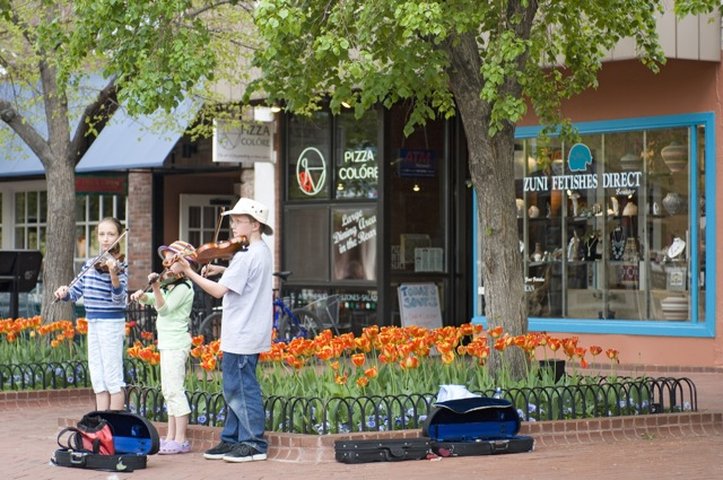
219,221
218,224
91,264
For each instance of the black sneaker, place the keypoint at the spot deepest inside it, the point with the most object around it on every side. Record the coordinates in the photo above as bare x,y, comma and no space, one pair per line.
218,452
244,453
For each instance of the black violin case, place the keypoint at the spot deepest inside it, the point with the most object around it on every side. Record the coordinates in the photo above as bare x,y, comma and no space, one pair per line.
387,450
475,426
134,438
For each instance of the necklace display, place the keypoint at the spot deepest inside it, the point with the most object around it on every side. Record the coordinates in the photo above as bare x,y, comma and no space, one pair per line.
617,244
591,247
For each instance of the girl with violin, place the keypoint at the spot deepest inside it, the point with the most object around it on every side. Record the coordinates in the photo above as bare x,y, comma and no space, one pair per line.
103,284
246,323
172,298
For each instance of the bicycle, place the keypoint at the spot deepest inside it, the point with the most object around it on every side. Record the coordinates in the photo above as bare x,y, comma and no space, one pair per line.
289,323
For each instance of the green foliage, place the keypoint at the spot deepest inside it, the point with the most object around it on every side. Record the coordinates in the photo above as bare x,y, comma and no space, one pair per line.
384,51
157,50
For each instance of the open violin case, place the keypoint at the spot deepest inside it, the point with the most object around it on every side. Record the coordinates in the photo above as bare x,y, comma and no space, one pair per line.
134,438
475,426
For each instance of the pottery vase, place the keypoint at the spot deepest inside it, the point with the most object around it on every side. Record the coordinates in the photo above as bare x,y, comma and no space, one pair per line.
673,203
675,156
520,203
538,253
630,161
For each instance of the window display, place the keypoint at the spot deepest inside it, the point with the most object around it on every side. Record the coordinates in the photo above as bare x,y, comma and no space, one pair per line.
606,225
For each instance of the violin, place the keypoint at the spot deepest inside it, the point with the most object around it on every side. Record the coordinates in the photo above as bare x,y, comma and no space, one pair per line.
164,278
102,259
223,250
100,264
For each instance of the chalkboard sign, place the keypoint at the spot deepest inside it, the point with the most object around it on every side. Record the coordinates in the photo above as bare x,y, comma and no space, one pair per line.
419,305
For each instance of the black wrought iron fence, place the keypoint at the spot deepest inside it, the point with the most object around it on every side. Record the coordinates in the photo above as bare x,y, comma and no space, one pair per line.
596,397
44,375
68,374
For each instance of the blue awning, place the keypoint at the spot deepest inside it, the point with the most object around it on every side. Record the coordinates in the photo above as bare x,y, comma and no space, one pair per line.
17,160
124,143
142,142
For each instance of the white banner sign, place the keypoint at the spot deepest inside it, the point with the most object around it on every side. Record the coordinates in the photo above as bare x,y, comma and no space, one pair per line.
242,142
419,305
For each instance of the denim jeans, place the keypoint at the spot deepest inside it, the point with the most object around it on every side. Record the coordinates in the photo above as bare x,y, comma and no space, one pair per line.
245,414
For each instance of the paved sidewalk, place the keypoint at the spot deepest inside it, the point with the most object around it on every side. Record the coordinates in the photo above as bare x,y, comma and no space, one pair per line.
28,439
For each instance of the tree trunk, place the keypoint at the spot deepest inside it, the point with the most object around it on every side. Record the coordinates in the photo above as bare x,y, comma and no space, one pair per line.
492,170
60,237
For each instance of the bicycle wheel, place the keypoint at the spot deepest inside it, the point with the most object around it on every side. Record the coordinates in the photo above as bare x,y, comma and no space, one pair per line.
301,323
308,322
285,330
211,327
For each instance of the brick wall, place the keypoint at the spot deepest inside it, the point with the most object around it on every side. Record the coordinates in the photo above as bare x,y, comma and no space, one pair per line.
140,223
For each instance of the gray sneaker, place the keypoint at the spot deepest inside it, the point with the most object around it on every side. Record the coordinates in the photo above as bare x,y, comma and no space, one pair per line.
218,452
244,453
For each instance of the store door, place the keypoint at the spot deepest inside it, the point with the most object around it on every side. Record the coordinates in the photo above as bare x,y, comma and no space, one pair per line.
425,242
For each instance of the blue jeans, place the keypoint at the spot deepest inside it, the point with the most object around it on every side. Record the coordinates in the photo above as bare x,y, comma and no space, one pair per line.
245,413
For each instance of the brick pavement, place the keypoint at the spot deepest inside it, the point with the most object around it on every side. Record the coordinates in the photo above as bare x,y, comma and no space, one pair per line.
691,451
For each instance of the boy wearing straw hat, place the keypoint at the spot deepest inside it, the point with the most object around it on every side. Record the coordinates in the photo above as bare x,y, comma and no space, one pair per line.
246,324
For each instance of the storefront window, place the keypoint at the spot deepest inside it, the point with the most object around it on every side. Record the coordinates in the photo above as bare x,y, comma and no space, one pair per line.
306,243
331,237
340,310
357,170
309,159
612,228
354,243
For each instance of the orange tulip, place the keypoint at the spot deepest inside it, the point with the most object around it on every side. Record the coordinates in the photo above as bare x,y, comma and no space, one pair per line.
409,362
612,354
358,359
496,332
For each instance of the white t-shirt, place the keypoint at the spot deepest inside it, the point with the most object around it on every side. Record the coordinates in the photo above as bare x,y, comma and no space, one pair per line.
247,319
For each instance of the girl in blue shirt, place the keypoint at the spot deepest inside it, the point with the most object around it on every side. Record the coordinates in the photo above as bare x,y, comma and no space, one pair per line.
104,289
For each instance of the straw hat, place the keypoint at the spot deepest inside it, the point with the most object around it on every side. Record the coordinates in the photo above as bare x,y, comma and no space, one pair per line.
179,247
257,210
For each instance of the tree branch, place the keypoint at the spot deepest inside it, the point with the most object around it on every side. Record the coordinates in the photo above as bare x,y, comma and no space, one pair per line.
106,103
16,121
211,6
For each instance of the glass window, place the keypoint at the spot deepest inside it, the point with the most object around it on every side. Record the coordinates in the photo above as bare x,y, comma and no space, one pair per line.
306,243
90,208
353,238
200,215
357,170
613,227
418,177
309,157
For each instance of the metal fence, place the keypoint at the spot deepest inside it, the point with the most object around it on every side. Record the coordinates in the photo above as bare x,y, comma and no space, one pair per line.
313,415
590,398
